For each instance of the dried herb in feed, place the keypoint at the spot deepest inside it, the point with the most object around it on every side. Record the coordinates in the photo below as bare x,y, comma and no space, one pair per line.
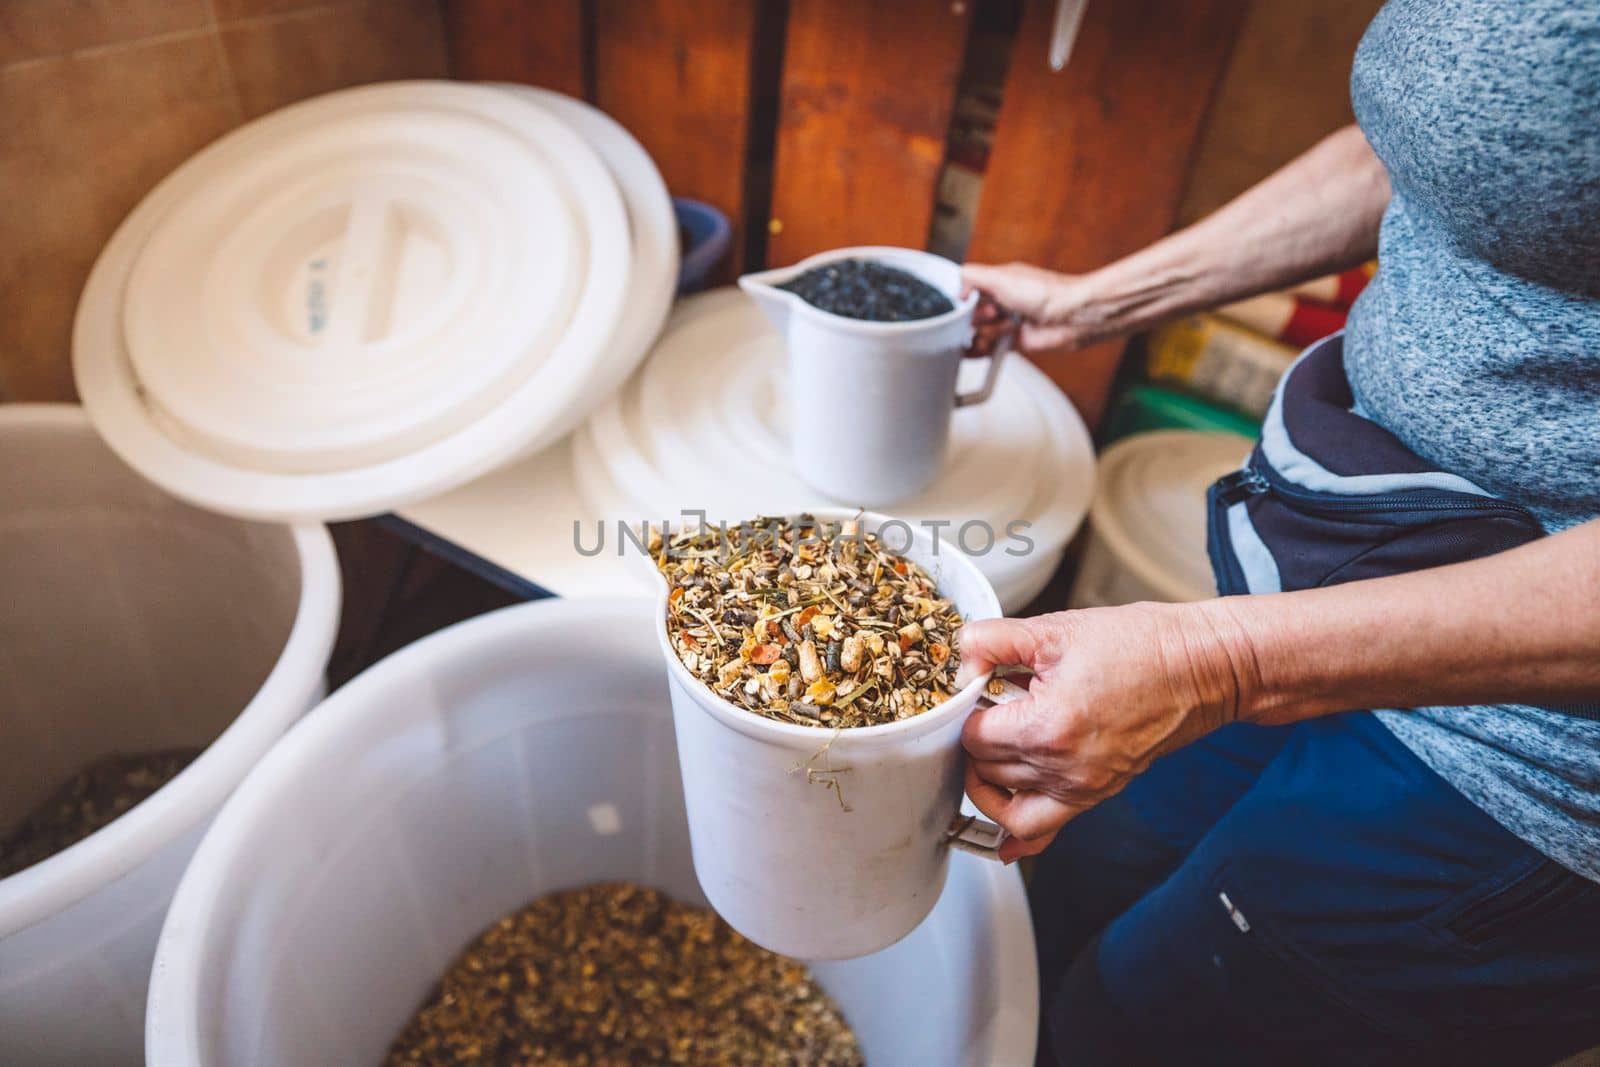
99,793
862,289
617,975
808,623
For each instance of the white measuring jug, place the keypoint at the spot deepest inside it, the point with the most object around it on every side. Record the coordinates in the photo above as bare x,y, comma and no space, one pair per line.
822,843
871,402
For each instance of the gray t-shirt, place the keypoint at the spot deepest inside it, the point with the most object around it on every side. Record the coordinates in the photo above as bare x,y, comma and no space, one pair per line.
1478,341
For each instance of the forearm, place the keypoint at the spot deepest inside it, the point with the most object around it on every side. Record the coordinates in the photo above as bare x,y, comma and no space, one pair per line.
1522,626
1318,214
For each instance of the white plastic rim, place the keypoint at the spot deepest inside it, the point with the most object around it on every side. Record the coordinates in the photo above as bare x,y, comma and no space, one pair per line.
134,622
479,703
1150,513
53,885
448,364
703,426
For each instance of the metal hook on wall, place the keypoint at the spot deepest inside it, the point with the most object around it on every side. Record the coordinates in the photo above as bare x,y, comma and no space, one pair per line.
1069,17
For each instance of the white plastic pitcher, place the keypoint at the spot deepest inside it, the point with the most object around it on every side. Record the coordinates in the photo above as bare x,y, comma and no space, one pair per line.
871,401
128,622
821,843
519,753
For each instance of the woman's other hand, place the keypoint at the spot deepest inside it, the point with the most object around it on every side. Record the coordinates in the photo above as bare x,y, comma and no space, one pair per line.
1112,689
1052,308
1317,215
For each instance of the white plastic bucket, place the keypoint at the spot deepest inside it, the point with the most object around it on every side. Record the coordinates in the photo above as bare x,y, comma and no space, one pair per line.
1147,525
128,622
522,752
872,401
819,843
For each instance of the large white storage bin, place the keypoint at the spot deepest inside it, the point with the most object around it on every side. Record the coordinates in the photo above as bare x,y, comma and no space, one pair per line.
128,622
521,752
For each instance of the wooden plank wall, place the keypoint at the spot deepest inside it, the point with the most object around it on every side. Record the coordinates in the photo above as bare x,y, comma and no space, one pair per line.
538,42
867,95
1088,164
844,105
678,75
1091,163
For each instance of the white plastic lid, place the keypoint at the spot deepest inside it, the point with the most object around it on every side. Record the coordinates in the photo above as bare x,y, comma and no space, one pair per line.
712,404
356,301
704,426
1151,507
656,254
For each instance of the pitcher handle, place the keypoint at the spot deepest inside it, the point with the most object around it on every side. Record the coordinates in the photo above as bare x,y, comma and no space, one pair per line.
1001,349
978,836
972,833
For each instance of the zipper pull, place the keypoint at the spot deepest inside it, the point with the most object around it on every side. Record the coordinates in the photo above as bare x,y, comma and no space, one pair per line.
1237,485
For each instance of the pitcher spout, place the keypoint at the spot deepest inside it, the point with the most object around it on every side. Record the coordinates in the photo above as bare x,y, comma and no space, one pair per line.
774,301
781,305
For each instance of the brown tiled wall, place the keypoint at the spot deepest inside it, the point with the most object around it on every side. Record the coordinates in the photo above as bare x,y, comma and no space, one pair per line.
99,99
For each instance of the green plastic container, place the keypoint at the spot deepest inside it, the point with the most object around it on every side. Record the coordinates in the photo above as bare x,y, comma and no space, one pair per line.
1149,407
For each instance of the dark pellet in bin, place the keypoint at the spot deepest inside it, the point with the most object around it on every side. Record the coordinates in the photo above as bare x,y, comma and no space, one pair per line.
616,975
101,792
862,289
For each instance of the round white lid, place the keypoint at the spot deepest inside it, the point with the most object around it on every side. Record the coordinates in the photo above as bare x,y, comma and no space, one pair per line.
356,301
1151,506
656,255
704,426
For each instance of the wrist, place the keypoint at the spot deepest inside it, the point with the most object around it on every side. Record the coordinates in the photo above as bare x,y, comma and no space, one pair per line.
1236,658
1199,662
1159,283
1282,675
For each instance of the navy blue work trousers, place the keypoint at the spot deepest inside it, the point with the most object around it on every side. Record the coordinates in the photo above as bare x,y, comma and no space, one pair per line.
1309,894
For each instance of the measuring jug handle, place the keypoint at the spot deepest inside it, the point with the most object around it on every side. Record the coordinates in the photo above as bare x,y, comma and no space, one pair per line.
978,836
1001,349
971,833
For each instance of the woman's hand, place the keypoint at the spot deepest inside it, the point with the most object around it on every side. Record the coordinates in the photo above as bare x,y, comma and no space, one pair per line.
1112,689
1317,215
1052,308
